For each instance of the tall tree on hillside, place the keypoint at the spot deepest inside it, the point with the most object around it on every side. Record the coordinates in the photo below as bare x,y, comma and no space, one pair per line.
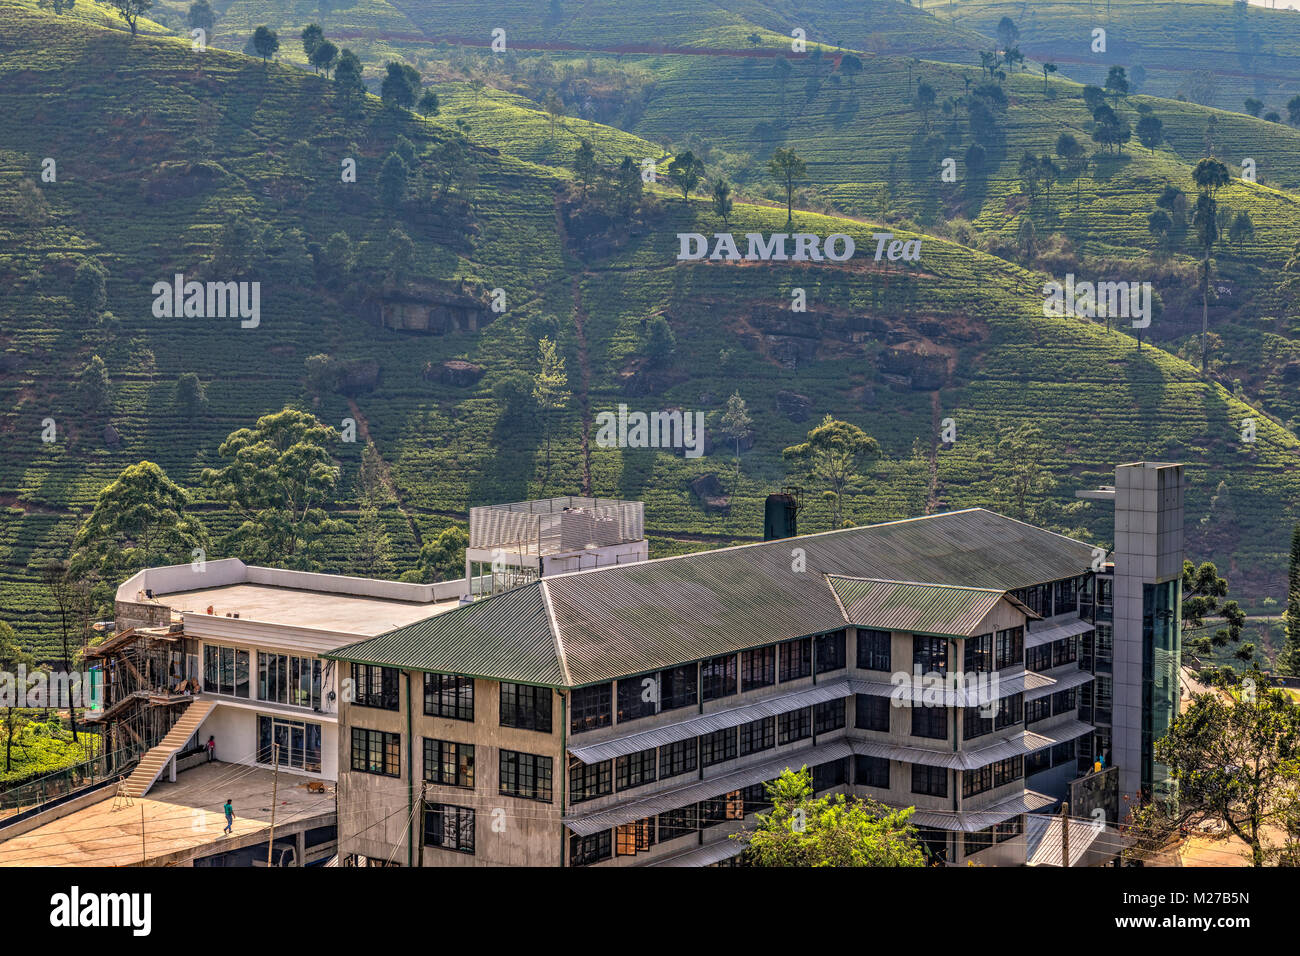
322,58
191,397
442,558
400,86
782,69
832,454
686,172
1117,83
1047,68
93,388
392,181
89,293
1253,106
58,6
550,391
1242,228
131,11
628,187
312,35
802,830
201,17
1210,176
1008,33
554,107
429,105
1150,131
279,479
737,424
1293,111
347,77
788,169
372,554
1288,662
12,657
850,66
139,520
1075,158
722,202
584,164
925,97
266,42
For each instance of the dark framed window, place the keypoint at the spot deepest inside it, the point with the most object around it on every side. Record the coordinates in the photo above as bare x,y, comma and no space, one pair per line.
1063,753
449,695
1002,832
829,651
299,742
678,687
829,716
526,775
934,842
449,763
1065,651
525,707
635,837
1036,710
1011,711
979,840
931,781
584,851
758,735
1064,701
992,776
1009,647
638,697
979,654
833,773
591,708
930,654
1067,595
974,723
755,797
1038,760
874,652
718,677
225,670
729,806
590,780
796,658
931,722
718,746
678,823
871,712
677,758
449,827
871,772
374,686
377,752
285,679
1038,658
635,769
758,667
794,725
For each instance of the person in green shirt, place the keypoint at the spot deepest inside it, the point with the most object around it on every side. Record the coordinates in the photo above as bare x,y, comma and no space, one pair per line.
230,815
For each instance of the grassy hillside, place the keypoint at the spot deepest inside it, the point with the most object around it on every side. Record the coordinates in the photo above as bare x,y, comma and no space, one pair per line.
159,149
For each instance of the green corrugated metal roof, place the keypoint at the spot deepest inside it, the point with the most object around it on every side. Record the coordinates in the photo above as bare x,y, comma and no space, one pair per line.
627,619
906,606
507,636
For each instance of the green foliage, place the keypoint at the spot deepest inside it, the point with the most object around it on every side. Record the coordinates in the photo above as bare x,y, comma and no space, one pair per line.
1288,662
686,172
443,558
131,11
191,397
787,169
401,83
806,831
139,520
278,481
1203,590
266,42
93,390
832,455
1233,764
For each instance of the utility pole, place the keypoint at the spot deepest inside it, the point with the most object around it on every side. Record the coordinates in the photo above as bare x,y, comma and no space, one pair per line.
275,787
144,856
424,787
1065,833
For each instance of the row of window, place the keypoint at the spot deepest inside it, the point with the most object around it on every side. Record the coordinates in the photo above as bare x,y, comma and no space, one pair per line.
1054,654
993,776
1062,702
998,833
522,706
672,688
281,678
640,835
588,781
451,764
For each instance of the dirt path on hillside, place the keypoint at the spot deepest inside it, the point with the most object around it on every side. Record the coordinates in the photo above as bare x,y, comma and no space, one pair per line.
385,473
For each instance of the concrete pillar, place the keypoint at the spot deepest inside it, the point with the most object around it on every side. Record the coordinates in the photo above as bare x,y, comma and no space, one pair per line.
171,769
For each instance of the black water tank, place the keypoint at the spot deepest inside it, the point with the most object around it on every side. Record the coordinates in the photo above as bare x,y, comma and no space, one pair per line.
780,517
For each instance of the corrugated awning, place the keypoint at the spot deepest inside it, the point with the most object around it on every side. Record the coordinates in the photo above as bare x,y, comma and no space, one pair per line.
1056,632
1072,679
1069,730
970,694
708,723
1044,839
1022,743
665,800
705,855
968,821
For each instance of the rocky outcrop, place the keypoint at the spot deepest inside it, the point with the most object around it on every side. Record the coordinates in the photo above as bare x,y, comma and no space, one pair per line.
423,306
794,406
457,372
712,496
